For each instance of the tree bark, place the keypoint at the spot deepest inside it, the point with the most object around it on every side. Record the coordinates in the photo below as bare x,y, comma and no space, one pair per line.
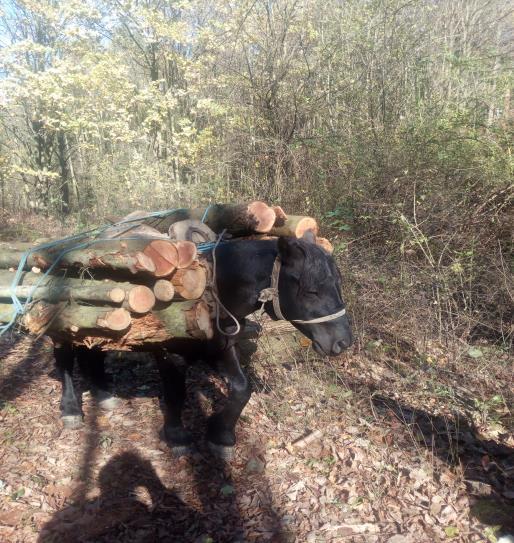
69,319
113,328
123,255
54,289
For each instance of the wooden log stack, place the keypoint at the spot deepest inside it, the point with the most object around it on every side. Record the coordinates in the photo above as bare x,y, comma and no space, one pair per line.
132,285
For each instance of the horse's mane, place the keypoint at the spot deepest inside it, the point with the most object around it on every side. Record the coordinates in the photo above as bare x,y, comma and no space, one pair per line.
317,264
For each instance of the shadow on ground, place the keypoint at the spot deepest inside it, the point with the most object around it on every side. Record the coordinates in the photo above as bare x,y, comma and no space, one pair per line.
487,466
133,504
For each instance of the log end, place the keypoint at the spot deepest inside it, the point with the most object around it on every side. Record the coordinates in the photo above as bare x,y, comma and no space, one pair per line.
164,255
325,244
144,262
190,283
141,299
164,290
116,320
117,295
262,215
305,224
186,253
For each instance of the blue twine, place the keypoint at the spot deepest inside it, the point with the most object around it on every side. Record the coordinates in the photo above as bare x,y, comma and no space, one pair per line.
20,308
205,213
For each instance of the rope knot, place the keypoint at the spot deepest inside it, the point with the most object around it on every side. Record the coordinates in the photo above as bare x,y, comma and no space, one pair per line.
268,294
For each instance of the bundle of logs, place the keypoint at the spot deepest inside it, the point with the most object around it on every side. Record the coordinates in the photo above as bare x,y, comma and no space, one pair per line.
138,282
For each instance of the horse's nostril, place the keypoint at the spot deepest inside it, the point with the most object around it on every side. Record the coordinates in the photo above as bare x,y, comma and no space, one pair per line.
340,346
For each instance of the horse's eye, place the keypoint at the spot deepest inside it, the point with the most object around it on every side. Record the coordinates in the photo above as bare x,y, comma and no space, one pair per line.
313,292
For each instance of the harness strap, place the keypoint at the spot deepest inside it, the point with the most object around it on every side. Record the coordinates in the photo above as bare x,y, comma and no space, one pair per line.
271,294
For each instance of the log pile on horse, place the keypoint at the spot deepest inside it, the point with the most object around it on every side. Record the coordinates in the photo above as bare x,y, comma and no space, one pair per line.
179,282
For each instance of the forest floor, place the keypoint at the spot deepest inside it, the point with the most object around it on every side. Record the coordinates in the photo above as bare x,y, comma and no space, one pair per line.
398,450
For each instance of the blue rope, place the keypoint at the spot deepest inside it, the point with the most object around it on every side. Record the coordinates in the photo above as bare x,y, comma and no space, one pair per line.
20,308
206,212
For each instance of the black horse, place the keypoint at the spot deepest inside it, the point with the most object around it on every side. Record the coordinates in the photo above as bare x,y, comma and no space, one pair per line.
308,294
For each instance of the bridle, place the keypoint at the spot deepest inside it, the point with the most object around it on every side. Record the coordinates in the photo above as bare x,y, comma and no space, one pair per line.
271,294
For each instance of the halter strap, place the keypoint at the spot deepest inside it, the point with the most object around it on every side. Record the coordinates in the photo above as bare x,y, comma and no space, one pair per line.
271,294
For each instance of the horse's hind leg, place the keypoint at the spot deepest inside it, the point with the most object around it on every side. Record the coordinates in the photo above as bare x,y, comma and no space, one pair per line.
92,366
71,411
221,426
174,392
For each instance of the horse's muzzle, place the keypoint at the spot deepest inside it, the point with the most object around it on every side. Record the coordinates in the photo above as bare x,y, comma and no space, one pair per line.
339,346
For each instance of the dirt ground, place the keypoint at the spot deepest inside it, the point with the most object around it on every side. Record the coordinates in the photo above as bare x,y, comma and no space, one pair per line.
368,447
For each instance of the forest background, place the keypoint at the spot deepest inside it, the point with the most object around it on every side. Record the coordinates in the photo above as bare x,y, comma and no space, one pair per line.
389,120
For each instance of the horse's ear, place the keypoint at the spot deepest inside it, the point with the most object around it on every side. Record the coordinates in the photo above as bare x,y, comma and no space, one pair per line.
289,248
309,236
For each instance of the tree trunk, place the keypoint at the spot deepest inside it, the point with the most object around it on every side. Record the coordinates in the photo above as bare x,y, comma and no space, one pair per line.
65,172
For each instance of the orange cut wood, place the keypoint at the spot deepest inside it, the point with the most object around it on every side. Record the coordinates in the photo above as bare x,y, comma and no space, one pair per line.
144,262
190,282
325,244
141,299
164,290
117,295
262,216
164,255
186,253
116,320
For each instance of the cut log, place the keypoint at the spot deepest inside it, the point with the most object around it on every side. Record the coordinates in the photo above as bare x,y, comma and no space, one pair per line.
295,226
124,254
115,329
262,215
325,244
164,255
73,318
54,289
164,290
117,295
141,299
116,320
190,283
237,219
190,319
186,253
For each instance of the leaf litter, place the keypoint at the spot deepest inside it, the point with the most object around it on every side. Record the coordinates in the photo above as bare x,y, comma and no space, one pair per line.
365,455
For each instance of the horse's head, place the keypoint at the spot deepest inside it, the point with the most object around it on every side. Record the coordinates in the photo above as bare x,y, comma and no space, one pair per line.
310,288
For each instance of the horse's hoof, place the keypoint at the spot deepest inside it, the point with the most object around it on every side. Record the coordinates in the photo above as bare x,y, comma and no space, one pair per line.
72,422
223,452
108,404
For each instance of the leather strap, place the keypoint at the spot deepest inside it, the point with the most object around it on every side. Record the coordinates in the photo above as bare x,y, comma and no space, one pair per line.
271,294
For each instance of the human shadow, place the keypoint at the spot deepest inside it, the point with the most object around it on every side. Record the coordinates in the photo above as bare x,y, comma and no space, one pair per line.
488,466
133,505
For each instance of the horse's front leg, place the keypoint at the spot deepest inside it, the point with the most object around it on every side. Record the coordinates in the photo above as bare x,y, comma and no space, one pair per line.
173,380
92,366
221,426
71,411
